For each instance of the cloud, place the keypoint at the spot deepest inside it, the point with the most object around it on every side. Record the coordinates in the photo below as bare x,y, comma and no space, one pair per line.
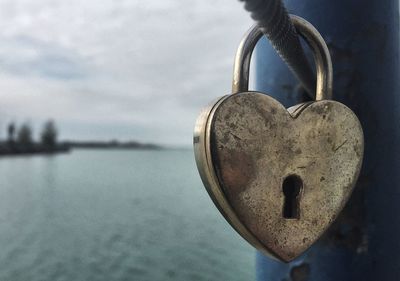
25,56
117,69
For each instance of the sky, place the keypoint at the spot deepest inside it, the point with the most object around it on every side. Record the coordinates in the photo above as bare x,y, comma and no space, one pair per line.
128,70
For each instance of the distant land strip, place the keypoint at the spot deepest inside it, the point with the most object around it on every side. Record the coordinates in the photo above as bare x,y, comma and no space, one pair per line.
14,148
111,144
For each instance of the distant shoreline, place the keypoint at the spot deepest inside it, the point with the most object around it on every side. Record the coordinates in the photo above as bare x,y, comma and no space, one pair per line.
12,148
29,149
112,144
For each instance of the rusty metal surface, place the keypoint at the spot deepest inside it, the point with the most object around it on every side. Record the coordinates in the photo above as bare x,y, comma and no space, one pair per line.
204,161
254,155
252,143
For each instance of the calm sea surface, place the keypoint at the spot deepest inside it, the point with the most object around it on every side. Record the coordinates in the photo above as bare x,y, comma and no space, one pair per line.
113,215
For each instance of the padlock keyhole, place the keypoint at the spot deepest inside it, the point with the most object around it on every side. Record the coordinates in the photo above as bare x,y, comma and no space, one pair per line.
291,187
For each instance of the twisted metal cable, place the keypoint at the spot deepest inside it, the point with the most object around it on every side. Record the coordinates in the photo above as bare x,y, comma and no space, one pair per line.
272,17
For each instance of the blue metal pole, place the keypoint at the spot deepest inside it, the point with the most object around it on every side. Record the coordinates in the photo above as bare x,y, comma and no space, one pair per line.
363,37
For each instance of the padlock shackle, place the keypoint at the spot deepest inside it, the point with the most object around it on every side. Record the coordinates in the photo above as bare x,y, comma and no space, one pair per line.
313,38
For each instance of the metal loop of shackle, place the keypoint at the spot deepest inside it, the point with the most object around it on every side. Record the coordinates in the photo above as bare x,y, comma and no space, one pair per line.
310,34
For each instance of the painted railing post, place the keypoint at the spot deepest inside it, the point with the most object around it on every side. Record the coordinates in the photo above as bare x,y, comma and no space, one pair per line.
363,38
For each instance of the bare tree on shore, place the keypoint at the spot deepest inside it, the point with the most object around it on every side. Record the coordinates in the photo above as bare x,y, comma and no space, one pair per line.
24,135
49,134
11,132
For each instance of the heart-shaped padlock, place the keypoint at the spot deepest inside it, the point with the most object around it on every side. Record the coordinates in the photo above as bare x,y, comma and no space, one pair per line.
279,176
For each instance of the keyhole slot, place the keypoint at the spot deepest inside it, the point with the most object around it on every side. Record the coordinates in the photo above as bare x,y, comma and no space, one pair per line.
291,187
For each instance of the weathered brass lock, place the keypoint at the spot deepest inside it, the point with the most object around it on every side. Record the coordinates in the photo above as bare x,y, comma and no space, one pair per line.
279,176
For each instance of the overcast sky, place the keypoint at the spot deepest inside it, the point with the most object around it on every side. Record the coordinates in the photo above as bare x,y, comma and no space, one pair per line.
116,69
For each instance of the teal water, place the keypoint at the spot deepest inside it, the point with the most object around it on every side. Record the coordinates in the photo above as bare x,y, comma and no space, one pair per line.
113,215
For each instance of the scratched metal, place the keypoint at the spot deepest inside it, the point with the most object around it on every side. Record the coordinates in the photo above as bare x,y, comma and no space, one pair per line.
247,144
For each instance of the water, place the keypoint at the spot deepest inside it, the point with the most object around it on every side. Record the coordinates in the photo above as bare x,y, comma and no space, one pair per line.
113,215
